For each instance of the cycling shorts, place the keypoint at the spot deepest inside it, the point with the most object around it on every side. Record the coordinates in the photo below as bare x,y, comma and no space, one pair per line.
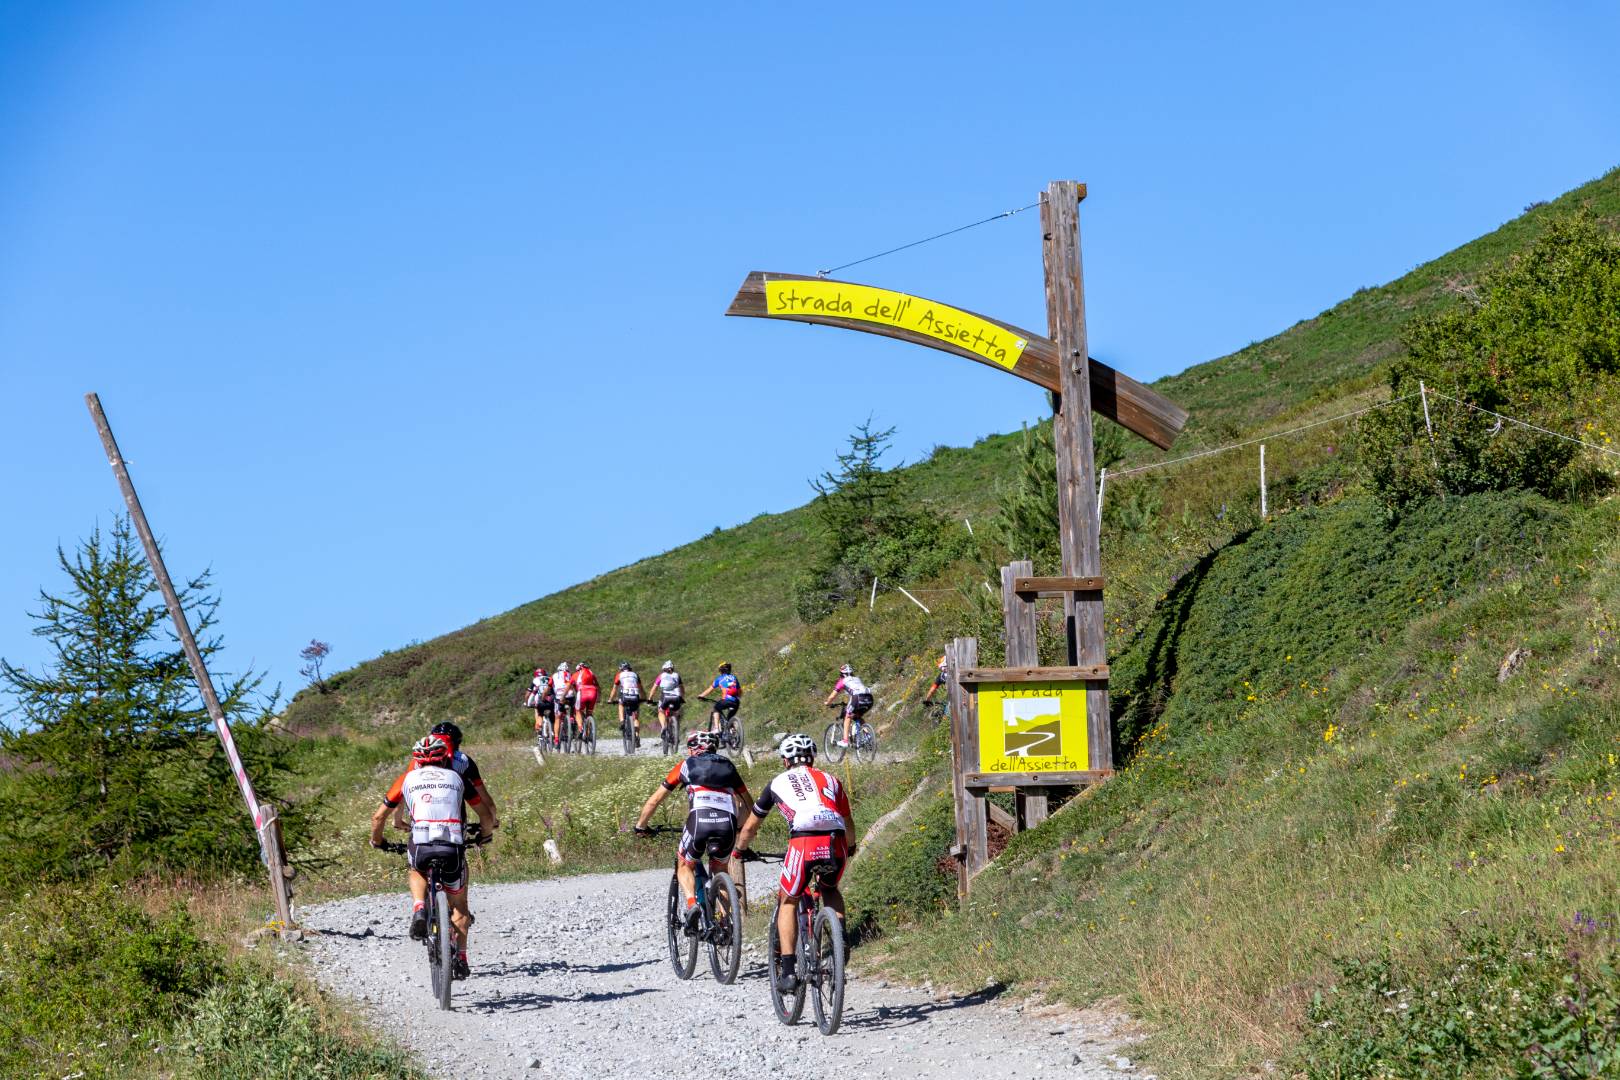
631,705
707,830
671,704
727,707
939,680
545,707
858,705
827,853
449,859
587,699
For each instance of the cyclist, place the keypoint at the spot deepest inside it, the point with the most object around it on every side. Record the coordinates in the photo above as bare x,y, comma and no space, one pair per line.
585,691
860,699
725,707
627,692
540,697
820,826
436,797
671,696
939,681
715,795
562,692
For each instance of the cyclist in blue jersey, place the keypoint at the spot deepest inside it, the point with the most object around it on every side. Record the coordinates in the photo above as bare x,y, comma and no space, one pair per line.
730,699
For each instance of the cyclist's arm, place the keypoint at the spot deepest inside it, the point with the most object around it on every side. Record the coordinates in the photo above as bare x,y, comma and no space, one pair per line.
392,803
379,822
745,835
665,786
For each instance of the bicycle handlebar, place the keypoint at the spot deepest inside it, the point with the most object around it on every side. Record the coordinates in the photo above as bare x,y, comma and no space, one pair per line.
750,855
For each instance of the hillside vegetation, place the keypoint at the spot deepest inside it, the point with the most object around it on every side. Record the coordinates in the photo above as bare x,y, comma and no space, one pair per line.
1366,820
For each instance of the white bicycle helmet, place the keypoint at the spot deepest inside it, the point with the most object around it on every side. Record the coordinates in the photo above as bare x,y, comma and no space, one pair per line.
564,666
797,749
669,665
846,670
702,742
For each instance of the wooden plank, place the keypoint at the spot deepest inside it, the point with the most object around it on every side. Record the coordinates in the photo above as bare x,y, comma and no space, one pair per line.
1023,648
998,816
1056,586
1086,673
1077,481
992,780
1115,395
972,833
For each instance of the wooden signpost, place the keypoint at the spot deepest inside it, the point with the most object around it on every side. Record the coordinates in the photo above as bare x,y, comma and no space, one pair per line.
1021,728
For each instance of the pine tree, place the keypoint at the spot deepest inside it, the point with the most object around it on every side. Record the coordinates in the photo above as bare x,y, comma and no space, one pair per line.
112,756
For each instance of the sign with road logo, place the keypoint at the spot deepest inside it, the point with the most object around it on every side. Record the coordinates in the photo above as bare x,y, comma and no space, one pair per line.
1032,727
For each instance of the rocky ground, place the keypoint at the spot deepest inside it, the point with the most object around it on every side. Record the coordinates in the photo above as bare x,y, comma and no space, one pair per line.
571,979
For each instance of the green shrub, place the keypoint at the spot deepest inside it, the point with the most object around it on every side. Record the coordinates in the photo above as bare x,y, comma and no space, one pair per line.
1543,335
903,880
255,1026
1507,1001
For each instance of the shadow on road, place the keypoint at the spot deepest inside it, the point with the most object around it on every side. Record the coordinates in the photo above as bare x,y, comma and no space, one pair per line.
885,1017
527,1002
541,967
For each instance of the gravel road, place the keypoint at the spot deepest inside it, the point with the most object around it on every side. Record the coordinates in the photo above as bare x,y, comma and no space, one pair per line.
571,978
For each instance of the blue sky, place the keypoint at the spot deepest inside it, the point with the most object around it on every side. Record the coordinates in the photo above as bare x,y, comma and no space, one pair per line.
407,313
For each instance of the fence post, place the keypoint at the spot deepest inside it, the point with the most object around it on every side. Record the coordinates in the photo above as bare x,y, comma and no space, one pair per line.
972,837
1262,480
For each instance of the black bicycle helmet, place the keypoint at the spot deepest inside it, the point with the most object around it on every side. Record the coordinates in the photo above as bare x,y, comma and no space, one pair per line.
725,669
447,728
624,665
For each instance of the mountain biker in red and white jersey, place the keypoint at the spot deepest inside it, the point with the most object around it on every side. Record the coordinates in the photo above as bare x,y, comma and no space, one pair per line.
715,795
820,827
436,798
585,693
860,699
730,699
939,681
671,696
627,692
562,693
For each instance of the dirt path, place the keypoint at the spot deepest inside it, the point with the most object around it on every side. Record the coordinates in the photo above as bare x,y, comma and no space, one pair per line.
568,983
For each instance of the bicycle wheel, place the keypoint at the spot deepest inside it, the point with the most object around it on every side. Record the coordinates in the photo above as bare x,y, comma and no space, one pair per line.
667,737
788,1006
590,735
736,733
442,949
726,934
827,965
628,731
865,742
829,742
682,949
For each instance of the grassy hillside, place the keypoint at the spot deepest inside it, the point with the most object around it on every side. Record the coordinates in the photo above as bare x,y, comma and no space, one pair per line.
726,596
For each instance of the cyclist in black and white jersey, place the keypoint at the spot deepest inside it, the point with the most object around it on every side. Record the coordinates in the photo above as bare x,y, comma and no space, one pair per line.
627,692
715,795
671,696
860,699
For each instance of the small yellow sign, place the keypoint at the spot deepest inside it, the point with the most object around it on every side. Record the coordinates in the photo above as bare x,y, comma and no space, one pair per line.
833,299
1033,727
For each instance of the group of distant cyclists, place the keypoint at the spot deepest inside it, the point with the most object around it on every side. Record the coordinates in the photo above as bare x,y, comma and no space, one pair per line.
564,701
431,797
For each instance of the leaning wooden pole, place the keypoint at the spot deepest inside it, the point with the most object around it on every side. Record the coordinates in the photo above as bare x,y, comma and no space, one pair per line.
1077,482
264,817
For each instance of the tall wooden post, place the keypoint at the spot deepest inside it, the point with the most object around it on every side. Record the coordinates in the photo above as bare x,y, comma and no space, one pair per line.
1077,482
264,816
1022,651
972,831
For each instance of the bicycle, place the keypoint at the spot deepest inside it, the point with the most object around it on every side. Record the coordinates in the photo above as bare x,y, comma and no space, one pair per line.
627,729
719,925
585,735
731,730
670,737
818,949
440,941
862,739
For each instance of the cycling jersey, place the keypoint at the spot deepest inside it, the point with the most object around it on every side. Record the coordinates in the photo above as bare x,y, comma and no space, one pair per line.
728,686
851,685
585,680
435,798
813,802
628,684
541,684
669,686
562,684
710,781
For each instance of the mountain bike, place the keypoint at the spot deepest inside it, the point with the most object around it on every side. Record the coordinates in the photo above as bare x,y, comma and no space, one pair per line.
627,729
818,951
669,739
719,921
582,735
440,941
731,731
862,739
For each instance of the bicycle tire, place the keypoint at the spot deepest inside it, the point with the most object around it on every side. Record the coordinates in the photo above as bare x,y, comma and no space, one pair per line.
628,731
443,950
726,939
865,743
590,735
736,733
830,748
679,942
827,958
788,1007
